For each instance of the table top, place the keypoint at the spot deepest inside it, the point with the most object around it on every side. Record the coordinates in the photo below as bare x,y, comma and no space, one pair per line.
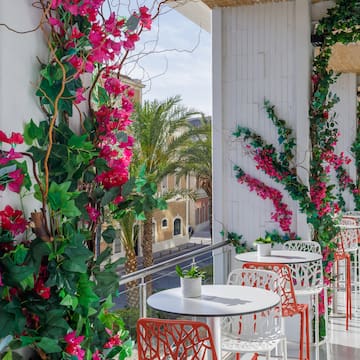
215,300
280,256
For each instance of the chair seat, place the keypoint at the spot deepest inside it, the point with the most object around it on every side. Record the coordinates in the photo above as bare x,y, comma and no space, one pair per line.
293,309
310,291
228,343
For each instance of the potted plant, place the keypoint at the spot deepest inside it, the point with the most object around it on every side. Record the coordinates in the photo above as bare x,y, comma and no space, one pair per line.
190,280
263,245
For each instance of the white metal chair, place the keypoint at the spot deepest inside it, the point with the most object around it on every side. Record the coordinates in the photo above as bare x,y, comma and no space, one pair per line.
254,333
347,246
309,281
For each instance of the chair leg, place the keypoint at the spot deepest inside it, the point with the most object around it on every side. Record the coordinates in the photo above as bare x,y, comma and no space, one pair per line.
301,336
237,356
317,324
284,349
349,287
327,340
307,334
348,292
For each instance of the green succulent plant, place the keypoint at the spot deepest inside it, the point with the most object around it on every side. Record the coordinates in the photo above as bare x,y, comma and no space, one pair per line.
193,272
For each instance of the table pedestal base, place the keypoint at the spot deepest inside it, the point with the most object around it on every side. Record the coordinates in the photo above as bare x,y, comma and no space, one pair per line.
215,327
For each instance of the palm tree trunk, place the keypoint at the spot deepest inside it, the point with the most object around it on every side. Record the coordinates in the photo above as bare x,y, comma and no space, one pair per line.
147,249
132,287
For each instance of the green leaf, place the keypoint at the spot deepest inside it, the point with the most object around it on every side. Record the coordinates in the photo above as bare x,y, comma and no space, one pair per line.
8,356
103,96
27,340
70,209
20,253
69,300
110,195
109,235
49,345
132,23
86,293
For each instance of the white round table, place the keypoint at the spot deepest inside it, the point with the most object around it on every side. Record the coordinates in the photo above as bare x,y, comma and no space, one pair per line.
215,301
280,256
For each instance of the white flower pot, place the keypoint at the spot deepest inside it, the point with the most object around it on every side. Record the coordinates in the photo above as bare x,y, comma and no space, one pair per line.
191,287
263,249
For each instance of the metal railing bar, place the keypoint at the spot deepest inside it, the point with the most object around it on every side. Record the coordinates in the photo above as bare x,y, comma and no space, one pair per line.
136,275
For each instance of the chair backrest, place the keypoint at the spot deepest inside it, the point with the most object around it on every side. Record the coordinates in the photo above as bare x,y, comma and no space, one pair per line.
264,279
160,339
350,236
300,245
261,326
306,275
287,291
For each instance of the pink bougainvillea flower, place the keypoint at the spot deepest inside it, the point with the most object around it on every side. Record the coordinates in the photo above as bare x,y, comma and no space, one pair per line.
15,138
12,220
113,86
41,289
79,96
96,355
17,180
6,156
1,281
145,17
113,341
55,3
92,212
73,345
131,39
76,33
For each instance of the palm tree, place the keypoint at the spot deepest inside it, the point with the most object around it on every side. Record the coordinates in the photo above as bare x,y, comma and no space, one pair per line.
128,238
160,130
196,159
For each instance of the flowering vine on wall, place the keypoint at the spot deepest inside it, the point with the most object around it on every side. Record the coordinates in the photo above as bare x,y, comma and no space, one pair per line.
56,296
319,202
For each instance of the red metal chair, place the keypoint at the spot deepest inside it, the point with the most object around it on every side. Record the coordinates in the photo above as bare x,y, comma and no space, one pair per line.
288,300
160,339
347,243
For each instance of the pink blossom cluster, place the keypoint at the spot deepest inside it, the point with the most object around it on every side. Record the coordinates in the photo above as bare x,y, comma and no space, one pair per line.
13,179
282,215
112,125
114,340
318,196
12,220
263,158
79,7
73,346
335,160
106,39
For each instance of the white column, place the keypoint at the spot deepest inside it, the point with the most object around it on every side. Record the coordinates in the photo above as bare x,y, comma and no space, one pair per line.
217,139
303,60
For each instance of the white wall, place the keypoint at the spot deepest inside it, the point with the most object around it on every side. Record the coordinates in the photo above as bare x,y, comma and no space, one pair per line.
264,52
19,69
258,62
345,88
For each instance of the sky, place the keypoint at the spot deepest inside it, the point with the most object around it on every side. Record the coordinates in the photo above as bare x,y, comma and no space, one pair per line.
177,62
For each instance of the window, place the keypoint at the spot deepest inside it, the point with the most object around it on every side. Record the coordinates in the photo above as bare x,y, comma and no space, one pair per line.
164,223
177,227
164,185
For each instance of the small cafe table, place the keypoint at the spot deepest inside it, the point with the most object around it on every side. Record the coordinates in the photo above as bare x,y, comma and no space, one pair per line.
290,257
215,302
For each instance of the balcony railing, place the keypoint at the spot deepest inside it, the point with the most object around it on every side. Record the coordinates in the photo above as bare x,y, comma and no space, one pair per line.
156,271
